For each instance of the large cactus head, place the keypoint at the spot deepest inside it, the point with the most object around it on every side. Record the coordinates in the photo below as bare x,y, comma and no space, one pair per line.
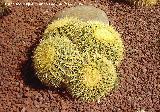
93,81
106,41
54,58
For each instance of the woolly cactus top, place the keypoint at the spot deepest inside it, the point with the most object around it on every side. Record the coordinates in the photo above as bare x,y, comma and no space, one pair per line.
93,81
80,55
91,76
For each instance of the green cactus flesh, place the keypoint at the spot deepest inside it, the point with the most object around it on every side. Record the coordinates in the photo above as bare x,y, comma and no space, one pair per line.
90,36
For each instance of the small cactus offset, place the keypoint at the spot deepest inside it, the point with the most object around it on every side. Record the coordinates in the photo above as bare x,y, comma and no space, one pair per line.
81,56
93,81
54,58
144,2
4,9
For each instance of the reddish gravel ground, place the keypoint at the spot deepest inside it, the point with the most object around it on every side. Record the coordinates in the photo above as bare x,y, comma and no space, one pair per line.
139,87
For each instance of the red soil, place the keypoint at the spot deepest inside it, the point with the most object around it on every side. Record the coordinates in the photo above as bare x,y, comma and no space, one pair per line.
139,86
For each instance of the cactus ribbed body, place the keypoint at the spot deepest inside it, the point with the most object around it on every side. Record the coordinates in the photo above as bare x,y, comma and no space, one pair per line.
90,36
53,58
80,55
106,41
93,81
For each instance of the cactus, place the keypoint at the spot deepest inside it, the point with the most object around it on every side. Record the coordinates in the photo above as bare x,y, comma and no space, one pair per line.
144,2
53,58
4,9
69,27
92,82
81,56
91,35
106,41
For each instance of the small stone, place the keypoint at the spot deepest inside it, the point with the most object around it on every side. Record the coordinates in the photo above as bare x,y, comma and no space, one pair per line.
144,69
23,109
85,13
16,83
21,85
27,88
26,94
0,58
19,96
36,104
1,83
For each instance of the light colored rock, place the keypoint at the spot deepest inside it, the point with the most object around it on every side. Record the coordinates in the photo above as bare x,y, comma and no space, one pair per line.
84,12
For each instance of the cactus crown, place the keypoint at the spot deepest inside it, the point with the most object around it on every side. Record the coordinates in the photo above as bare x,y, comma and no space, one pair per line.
90,36
91,76
53,58
80,55
93,81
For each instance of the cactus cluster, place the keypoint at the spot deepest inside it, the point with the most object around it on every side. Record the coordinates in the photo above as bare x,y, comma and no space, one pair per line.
83,56
143,2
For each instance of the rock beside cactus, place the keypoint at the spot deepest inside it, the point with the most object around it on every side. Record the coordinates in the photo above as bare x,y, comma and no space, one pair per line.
85,13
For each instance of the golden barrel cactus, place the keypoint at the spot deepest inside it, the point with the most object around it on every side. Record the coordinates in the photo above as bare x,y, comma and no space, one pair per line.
91,36
54,58
93,81
80,55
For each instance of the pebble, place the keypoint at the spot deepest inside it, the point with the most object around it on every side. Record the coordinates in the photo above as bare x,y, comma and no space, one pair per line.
86,13
23,109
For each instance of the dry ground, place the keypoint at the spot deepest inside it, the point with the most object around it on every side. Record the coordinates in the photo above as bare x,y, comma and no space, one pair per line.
139,87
